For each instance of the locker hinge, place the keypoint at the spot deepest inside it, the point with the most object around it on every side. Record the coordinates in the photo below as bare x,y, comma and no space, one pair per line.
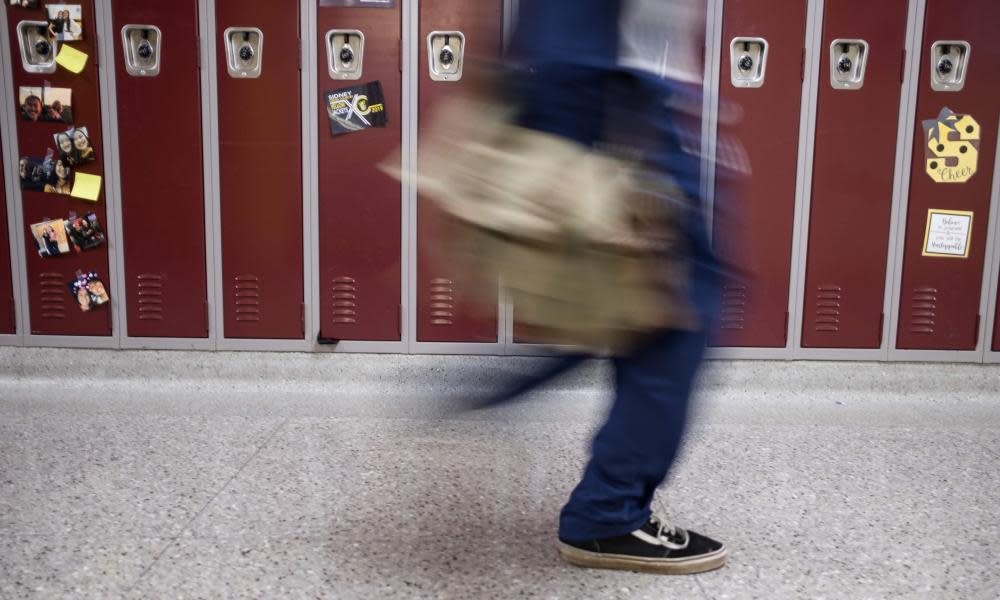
208,313
787,317
302,316
97,51
802,66
881,328
300,54
198,41
399,323
975,332
13,313
902,67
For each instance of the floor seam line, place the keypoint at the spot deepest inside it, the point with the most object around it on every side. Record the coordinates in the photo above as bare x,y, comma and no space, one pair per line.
204,507
704,593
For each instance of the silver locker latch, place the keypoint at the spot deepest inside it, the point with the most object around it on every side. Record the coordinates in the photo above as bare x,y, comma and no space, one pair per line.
848,59
38,50
445,55
345,53
748,61
142,50
949,64
244,51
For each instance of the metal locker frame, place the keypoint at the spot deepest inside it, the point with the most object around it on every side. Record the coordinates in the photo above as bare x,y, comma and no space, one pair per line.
108,39
111,225
814,70
310,170
210,125
915,61
8,137
813,31
992,286
414,50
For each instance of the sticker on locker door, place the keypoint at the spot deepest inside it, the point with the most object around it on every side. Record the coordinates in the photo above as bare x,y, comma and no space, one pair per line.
952,149
948,233
355,108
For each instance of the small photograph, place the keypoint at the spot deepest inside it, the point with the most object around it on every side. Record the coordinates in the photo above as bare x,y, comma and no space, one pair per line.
73,146
47,104
60,179
51,238
84,232
34,173
89,291
24,3
65,21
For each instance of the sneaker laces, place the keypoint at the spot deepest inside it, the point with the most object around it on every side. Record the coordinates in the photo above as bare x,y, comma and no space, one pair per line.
665,531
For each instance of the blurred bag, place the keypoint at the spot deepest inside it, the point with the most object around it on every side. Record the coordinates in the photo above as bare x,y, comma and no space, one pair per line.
587,244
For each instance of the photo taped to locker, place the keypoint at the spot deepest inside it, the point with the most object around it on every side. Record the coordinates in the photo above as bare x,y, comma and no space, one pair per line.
50,237
47,104
65,21
73,146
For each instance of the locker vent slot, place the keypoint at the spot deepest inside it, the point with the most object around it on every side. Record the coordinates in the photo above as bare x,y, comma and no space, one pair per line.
248,306
442,302
734,306
150,293
345,301
923,310
53,292
828,304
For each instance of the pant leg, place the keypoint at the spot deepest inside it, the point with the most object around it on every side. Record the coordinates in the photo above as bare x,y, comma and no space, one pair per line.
634,449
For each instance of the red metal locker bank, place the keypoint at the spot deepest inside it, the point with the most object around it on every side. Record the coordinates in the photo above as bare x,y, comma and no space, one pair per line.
762,72
954,148
61,149
453,35
260,168
360,111
8,323
857,117
163,200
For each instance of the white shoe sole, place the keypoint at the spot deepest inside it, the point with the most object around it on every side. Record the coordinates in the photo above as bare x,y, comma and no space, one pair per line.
623,562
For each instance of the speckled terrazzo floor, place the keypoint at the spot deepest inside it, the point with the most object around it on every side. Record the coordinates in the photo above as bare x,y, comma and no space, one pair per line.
187,475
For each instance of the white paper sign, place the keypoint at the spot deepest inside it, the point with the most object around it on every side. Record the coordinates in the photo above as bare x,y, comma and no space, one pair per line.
948,233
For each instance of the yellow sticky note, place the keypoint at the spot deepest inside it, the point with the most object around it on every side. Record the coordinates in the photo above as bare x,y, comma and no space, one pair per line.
87,187
72,59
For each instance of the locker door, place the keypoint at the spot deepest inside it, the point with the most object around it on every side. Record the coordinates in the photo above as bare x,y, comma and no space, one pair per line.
855,152
359,206
163,200
260,168
53,310
947,222
767,88
7,320
448,310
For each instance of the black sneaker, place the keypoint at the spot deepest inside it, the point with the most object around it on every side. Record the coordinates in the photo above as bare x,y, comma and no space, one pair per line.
653,548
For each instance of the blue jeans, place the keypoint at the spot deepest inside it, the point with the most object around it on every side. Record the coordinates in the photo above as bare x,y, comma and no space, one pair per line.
634,449
570,85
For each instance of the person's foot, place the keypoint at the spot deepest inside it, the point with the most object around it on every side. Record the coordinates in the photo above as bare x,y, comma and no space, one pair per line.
653,548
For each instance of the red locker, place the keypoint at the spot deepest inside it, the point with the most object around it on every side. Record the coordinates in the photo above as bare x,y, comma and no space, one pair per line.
755,307
260,168
448,310
53,310
8,323
163,207
858,106
359,205
942,279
